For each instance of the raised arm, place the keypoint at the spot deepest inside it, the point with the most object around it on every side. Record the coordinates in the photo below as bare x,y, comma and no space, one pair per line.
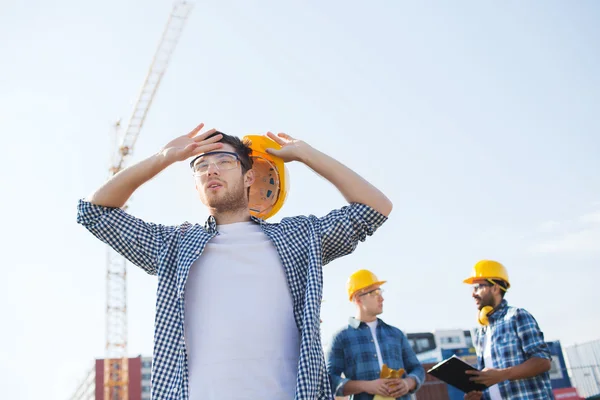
139,241
117,190
352,186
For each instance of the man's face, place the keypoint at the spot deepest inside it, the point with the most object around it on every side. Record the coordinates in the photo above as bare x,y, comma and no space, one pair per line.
483,293
220,182
371,300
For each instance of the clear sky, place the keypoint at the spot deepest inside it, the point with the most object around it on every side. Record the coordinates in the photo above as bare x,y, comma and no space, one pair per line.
478,119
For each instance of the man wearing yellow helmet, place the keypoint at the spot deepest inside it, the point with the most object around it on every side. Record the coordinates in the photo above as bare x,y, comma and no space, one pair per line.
511,351
238,299
368,346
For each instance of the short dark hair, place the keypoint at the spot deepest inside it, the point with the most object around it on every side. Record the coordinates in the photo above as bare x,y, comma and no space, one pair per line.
241,148
502,284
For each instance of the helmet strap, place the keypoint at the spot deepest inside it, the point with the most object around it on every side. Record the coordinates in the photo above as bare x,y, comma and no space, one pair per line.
495,283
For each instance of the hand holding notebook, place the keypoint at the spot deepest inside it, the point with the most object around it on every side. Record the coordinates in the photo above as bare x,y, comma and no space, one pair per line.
453,372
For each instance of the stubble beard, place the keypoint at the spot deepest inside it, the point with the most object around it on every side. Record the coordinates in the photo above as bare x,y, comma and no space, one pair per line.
486,302
232,201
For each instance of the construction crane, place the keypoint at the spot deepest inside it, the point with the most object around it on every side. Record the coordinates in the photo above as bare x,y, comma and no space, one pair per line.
116,369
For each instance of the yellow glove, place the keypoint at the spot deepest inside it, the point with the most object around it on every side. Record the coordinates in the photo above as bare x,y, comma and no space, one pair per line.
387,373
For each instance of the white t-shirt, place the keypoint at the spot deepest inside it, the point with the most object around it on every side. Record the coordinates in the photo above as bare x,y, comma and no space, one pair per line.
373,326
241,336
493,391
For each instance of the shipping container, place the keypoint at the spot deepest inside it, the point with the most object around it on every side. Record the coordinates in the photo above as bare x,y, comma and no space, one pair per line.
583,361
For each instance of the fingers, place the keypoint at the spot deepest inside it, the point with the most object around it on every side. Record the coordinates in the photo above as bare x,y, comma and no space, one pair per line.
193,149
276,138
206,148
281,138
206,134
383,389
397,393
285,136
398,388
195,130
391,382
483,381
475,375
188,150
201,138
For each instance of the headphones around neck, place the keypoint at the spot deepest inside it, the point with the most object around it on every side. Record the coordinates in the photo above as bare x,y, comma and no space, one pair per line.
482,317
484,313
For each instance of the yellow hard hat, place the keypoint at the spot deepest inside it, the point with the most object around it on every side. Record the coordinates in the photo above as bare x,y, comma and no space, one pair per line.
361,279
270,187
488,269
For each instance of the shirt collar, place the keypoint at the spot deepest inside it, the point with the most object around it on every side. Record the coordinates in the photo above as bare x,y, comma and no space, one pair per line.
210,225
499,311
355,323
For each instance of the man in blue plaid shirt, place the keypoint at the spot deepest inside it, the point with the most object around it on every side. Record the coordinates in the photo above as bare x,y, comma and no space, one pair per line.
511,351
238,299
359,351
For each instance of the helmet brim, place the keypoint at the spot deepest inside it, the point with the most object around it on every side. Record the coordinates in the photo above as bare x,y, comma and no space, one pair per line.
471,280
362,288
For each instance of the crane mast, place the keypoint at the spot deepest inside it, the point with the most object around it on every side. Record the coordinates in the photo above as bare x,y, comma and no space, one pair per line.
116,370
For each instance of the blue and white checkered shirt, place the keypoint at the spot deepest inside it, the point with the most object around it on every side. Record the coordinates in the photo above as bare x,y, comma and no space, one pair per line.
516,337
304,244
353,353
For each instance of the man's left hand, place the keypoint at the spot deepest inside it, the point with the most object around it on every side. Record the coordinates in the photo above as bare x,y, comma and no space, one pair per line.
398,387
488,376
291,149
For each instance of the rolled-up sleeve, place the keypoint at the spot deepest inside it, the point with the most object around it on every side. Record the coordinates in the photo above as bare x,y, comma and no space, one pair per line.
138,241
414,369
342,229
531,336
335,366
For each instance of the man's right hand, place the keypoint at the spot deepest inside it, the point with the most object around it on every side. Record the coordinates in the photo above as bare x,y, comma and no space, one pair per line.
378,386
474,395
191,144
116,191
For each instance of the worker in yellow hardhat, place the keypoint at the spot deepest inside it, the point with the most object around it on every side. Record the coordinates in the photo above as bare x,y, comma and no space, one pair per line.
512,355
367,348
235,260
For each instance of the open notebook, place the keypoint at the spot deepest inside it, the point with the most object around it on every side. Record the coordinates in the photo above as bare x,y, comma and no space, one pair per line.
452,371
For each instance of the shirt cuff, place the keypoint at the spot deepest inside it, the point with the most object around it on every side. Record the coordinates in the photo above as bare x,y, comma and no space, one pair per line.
542,354
370,215
88,212
417,380
339,389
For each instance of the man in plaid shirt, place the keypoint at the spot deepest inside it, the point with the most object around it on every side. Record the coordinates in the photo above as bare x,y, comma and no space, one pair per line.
360,350
512,355
238,299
